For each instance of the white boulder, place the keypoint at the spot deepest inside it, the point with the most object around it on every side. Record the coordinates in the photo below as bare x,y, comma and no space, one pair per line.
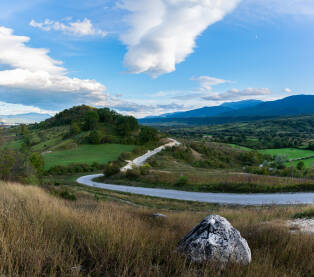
215,240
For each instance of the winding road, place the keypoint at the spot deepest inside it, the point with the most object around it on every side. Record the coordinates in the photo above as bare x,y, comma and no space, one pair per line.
221,198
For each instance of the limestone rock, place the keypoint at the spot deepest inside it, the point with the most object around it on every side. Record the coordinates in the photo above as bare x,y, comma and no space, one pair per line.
159,215
216,240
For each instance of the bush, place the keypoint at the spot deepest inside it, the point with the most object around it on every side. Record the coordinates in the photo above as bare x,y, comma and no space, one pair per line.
125,156
94,137
65,194
111,169
144,169
182,181
301,165
133,173
72,168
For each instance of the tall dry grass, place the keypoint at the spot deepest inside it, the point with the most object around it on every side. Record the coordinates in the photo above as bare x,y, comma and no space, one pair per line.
41,235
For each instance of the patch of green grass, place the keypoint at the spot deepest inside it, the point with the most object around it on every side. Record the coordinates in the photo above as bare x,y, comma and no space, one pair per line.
291,153
86,154
13,145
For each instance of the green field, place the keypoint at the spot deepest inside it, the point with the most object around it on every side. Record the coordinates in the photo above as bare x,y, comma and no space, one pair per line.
291,153
308,162
86,154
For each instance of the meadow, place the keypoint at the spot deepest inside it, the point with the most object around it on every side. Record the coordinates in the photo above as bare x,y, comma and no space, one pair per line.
86,154
43,235
291,153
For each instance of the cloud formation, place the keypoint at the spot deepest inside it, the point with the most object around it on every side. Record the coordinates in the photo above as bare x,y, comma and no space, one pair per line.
162,33
31,75
76,28
207,82
236,94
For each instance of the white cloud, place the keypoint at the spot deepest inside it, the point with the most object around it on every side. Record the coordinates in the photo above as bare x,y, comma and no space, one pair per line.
15,109
162,33
236,94
288,90
77,28
207,82
32,75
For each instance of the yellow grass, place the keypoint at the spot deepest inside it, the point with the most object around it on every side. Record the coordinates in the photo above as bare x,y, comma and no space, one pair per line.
41,235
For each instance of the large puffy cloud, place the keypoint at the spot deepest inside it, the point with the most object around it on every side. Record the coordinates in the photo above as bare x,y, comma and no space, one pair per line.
31,76
77,28
162,33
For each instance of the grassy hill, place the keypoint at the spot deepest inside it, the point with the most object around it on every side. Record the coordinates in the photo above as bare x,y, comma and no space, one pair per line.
80,139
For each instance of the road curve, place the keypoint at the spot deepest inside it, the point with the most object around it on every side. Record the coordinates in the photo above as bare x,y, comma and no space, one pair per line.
221,198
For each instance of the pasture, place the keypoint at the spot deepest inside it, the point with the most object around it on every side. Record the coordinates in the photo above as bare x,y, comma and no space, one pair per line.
86,154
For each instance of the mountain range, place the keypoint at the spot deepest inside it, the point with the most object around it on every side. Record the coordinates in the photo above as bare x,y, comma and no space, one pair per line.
26,118
289,106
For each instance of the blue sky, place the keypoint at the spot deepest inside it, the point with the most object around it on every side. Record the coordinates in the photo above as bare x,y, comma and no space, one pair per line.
150,57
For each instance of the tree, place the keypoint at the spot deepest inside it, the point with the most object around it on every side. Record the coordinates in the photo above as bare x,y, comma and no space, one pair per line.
311,146
147,134
301,165
91,120
94,137
126,125
75,128
37,162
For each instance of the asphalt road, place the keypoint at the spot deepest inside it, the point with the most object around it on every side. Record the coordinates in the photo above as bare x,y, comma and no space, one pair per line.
221,198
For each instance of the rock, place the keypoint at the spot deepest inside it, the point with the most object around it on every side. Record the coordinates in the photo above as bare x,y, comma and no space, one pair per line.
158,215
216,240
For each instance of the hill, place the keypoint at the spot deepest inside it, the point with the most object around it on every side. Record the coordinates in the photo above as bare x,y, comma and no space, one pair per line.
79,139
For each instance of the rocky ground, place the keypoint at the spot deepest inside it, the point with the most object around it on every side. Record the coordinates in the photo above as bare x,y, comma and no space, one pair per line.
303,225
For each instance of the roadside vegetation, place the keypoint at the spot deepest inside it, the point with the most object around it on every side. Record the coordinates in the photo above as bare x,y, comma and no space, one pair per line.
45,235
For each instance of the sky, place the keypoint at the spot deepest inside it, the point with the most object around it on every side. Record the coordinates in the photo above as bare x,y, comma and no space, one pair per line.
149,57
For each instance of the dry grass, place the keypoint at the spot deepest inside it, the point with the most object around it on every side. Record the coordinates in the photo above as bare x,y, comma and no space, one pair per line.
41,235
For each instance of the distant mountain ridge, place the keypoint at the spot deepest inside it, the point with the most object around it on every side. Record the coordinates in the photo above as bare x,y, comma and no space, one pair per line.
211,111
292,105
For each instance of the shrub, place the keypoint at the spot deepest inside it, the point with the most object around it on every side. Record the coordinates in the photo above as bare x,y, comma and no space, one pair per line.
301,165
125,156
111,169
133,173
144,169
182,180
